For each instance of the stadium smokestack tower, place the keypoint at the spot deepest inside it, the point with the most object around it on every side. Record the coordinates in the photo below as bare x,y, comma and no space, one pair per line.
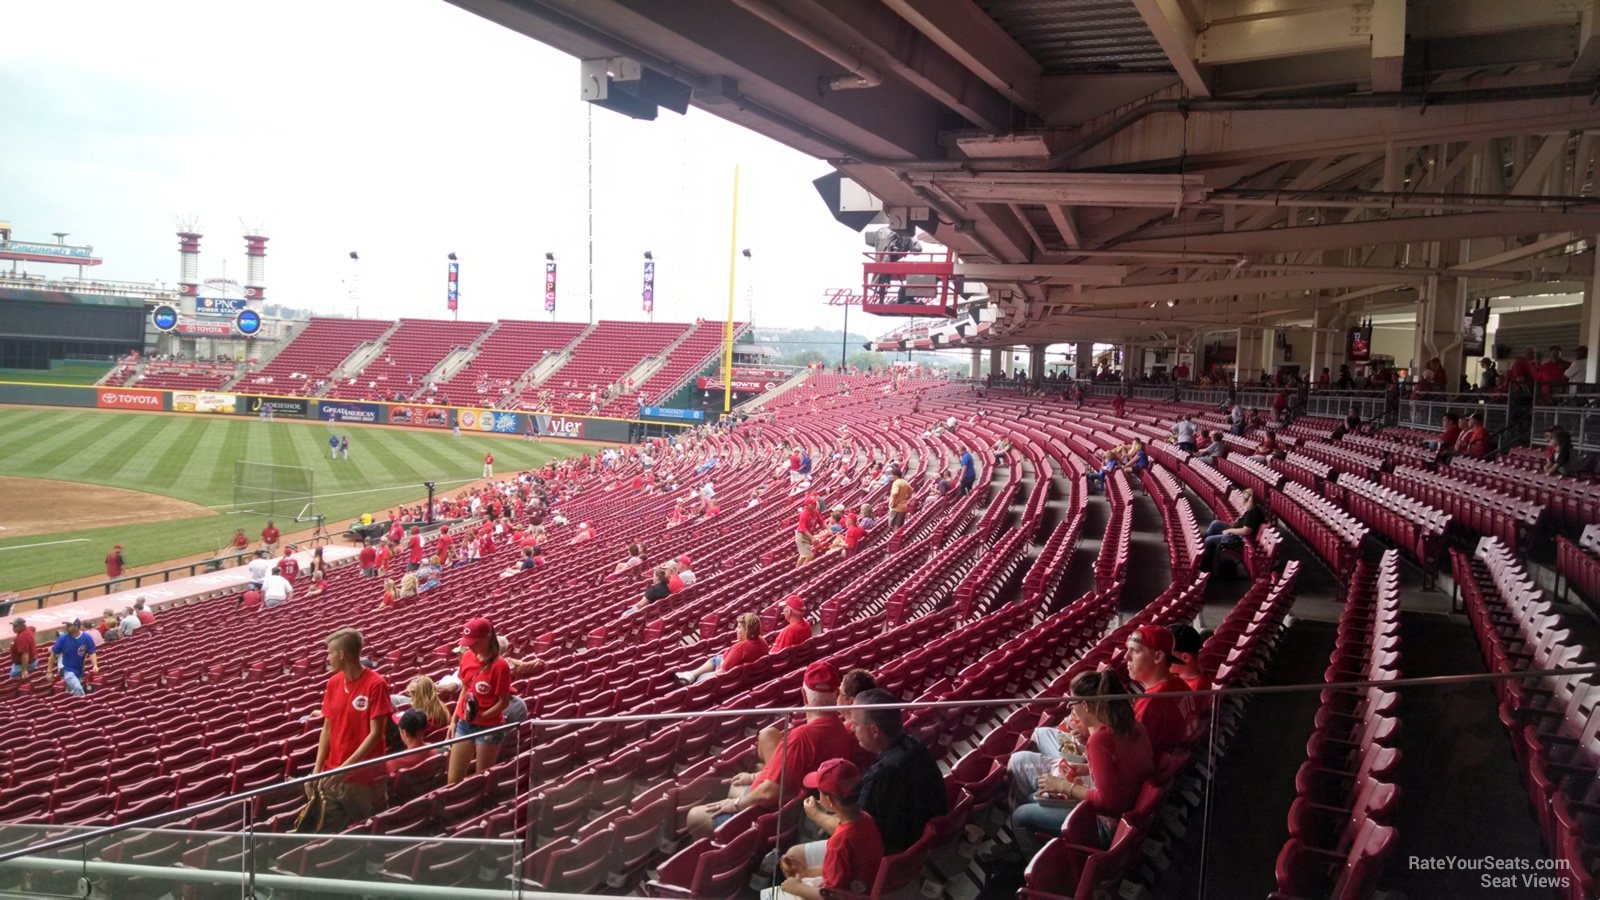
189,263
255,271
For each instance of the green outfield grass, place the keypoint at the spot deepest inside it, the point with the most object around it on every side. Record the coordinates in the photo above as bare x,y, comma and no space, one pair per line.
71,373
192,458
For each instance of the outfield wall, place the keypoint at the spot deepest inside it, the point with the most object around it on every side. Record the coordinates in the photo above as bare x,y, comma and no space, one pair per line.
344,412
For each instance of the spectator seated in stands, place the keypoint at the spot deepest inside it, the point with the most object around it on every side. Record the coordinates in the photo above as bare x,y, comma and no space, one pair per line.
529,560
798,630
865,518
1108,464
1186,645
1557,451
1117,759
1137,458
1268,449
683,572
1220,534
1474,441
1217,449
423,695
1168,720
660,588
1446,444
823,736
748,646
902,788
852,684
146,617
849,859
413,727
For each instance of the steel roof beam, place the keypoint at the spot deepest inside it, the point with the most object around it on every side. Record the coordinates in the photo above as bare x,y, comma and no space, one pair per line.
963,30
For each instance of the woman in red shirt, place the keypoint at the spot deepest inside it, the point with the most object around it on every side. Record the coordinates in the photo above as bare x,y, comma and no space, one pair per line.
1119,758
747,647
485,691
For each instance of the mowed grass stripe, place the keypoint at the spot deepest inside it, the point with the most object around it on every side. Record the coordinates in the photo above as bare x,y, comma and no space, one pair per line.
396,467
157,456
63,443
119,453
429,451
172,468
26,426
229,442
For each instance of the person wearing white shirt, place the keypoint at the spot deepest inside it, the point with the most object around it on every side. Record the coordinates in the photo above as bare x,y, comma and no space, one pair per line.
1580,363
275,590
260,568
130,622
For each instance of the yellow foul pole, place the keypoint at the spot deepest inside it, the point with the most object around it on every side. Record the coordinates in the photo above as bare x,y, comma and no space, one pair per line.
727,328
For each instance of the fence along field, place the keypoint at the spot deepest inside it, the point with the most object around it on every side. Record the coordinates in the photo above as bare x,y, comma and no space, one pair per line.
192,459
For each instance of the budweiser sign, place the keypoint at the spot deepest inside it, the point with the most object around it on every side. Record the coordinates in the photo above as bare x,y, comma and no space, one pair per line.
843,297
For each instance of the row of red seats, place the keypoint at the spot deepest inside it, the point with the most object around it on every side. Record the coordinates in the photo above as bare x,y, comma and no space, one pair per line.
1414,526
1553,720
1578,562
1339,831
1329,531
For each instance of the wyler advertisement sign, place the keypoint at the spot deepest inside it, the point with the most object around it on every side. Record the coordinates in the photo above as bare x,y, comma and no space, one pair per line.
286,407
336,411
427,416
127,398
559,426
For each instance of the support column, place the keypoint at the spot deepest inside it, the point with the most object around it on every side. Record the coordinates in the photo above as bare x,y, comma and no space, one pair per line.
1085,359
1036,364
1248,357
1440,306
996,368
1589,324
976,370
1010,361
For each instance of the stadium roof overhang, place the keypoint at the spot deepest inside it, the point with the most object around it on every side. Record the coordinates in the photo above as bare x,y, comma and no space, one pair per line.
1252,162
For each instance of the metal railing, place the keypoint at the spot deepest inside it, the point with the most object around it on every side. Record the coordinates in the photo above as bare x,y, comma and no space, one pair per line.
77,853
101,588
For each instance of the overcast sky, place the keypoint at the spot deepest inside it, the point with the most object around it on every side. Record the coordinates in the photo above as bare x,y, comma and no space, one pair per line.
404,129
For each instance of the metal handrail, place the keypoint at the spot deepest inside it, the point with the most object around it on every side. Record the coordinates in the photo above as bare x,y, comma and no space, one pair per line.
303,780
40,601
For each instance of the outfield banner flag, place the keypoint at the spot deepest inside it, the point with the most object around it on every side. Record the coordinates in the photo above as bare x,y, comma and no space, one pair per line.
550,287
281,407
129,398
490,420
649,285
426,416
341,411
452,294
668,412
202,402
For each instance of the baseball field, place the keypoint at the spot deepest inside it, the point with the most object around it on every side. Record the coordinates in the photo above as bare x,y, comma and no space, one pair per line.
75,482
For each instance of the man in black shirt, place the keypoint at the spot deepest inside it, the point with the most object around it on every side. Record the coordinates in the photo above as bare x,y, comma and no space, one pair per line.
1219,535
902,789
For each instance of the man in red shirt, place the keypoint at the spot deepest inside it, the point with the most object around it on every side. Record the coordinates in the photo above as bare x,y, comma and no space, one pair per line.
146,617
369,560
823,736
1118,404
269,538
488,465
1551,374
798,631
444,544
1186,646
355,711
24,648
810,523
1167,720
114,564
287,567
1474,442
414,550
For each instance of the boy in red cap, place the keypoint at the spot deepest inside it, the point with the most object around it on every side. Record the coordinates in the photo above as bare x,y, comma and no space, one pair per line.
823,736
798,631
355,712
852,854
1166,719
